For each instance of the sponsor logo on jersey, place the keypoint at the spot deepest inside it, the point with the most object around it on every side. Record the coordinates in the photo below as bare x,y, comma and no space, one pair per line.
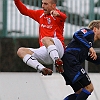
90,44
84,31
46,26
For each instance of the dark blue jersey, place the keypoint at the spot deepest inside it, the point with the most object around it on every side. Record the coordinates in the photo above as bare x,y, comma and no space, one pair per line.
80,44
76,52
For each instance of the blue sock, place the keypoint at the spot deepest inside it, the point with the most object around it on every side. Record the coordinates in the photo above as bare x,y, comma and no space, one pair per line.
83,95
71,97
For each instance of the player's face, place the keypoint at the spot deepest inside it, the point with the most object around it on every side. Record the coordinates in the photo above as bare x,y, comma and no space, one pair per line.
97,33
47,6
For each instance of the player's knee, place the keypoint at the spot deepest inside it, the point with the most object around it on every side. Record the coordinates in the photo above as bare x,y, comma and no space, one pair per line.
79,91
19,51
89,87
23,51
45,40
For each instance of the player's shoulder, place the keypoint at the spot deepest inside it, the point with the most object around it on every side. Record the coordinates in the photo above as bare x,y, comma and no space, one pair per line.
40,11
85,30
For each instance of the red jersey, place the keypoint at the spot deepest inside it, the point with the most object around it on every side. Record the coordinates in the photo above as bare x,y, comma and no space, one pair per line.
48,25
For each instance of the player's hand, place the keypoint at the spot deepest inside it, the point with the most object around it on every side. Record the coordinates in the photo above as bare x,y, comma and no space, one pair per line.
92,53
54,13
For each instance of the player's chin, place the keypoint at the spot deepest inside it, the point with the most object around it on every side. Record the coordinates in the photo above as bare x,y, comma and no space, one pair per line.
46,12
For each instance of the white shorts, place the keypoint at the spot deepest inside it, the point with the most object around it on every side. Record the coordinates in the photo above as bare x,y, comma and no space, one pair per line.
42,55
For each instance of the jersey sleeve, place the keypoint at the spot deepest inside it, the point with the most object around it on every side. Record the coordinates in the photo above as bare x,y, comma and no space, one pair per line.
62,16
80,36
25,11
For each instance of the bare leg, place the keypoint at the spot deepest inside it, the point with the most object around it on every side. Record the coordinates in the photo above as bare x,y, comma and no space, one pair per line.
53,52
26,55
85,92
51,48
23,51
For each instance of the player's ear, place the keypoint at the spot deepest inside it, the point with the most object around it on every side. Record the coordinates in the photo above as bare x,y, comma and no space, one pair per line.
53,6
94,29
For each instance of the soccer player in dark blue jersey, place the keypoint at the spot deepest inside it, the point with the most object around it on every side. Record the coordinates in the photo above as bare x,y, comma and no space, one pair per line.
76,52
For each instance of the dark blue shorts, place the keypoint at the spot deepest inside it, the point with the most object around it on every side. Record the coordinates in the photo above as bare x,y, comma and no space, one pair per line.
74,74
84,81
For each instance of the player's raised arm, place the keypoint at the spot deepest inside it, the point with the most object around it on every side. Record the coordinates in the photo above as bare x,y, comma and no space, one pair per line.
21,7
26,11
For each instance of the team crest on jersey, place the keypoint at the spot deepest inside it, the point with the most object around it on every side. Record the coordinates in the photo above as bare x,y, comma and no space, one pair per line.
84,31
90,43
49,20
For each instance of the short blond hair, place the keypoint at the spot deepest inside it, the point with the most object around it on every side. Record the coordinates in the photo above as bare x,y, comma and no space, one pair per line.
94,23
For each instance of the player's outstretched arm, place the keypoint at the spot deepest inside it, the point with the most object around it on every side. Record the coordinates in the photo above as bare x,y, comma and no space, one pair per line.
21,7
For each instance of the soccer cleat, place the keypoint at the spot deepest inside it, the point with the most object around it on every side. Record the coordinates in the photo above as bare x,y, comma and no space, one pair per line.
46,71
59,65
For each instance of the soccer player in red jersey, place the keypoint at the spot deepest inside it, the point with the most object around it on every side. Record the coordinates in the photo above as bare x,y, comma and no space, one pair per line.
51,26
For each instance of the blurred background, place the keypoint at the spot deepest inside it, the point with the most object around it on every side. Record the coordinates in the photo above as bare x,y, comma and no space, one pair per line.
17,30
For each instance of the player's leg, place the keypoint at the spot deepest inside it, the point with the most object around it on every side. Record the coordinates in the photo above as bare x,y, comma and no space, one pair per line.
76,88
27,56
71,97
81,94
51,47
76,75
81,88
87,90
55,50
